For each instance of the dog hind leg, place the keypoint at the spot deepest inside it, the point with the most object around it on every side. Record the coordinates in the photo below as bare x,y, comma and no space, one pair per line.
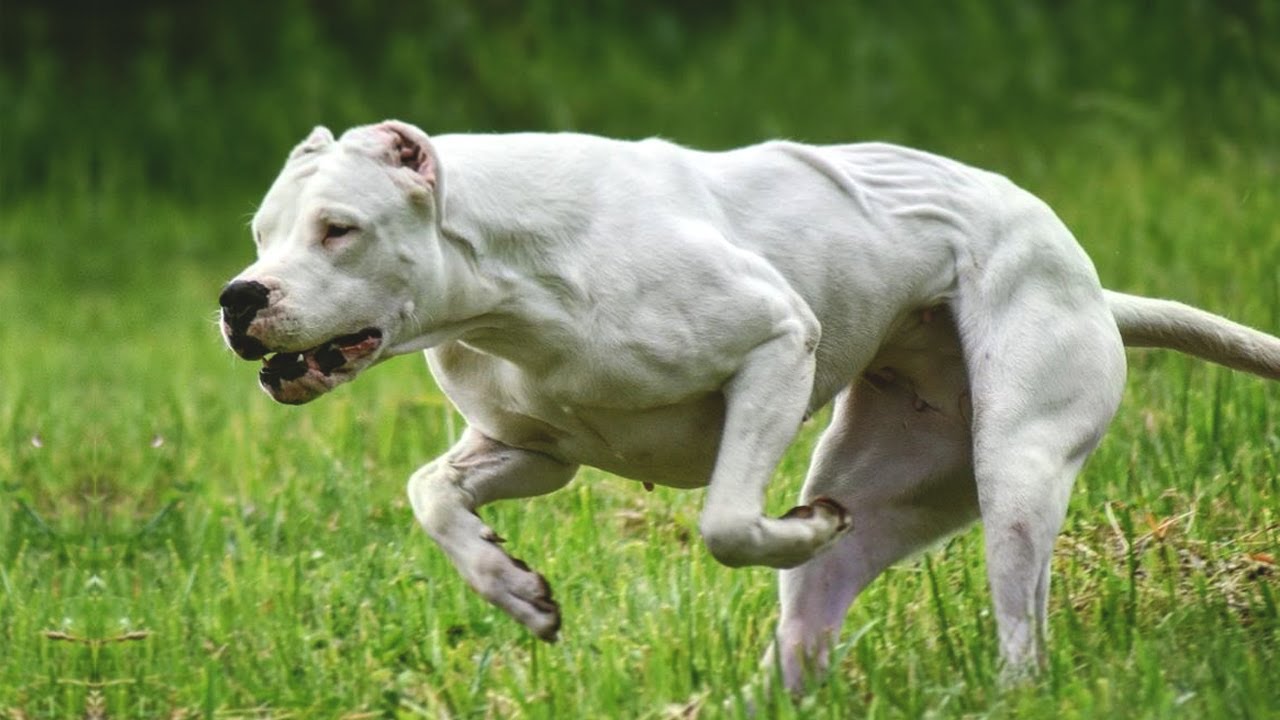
1047,370
905,475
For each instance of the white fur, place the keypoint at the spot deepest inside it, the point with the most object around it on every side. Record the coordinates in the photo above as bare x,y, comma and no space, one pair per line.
672,316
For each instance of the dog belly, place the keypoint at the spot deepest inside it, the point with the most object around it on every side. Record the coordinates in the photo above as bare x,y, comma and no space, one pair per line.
923,363
674,446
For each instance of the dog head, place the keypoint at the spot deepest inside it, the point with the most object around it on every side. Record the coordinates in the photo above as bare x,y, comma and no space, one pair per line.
348,253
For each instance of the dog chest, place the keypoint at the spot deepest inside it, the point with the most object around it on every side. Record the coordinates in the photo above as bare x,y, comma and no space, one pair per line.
670,444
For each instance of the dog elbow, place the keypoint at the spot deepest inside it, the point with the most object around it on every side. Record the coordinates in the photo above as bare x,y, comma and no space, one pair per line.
803,331
725,540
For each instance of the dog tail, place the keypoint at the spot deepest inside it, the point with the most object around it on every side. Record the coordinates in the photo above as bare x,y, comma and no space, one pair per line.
1147,322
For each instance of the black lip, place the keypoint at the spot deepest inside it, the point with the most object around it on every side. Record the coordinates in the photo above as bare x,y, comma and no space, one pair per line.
282,367
356,337
329,358
249,348
285,366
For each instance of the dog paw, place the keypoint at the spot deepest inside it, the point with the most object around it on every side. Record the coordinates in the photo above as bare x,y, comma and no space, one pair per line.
781,542
542,614
823,508
518,590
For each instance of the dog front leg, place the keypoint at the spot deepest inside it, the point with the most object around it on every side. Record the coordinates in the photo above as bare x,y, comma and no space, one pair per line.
765,403
445,495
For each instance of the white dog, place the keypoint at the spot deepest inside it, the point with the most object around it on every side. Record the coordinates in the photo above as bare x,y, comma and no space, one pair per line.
672,316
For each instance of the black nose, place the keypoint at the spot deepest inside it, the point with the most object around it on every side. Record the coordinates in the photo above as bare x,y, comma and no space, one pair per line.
241,300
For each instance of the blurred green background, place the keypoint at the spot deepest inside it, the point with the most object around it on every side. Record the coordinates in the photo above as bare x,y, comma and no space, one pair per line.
200,100
148,487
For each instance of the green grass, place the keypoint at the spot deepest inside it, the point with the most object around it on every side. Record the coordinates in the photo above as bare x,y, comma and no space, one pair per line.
175,545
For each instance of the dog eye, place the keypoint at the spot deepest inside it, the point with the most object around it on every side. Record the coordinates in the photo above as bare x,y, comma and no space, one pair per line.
333,231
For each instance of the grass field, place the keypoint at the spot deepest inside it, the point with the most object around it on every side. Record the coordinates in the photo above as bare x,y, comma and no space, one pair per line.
175,545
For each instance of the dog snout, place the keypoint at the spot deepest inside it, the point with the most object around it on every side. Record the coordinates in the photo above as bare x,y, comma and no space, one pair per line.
241,300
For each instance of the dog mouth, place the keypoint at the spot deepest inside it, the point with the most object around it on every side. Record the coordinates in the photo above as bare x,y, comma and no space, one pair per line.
295,377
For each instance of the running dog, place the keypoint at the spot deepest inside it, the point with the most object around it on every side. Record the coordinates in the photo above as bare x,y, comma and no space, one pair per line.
672,316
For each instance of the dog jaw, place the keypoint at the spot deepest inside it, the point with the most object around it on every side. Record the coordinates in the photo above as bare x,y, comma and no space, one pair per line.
298,377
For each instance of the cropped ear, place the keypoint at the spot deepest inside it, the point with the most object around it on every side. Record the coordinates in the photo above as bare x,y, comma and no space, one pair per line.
319,138
410,148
